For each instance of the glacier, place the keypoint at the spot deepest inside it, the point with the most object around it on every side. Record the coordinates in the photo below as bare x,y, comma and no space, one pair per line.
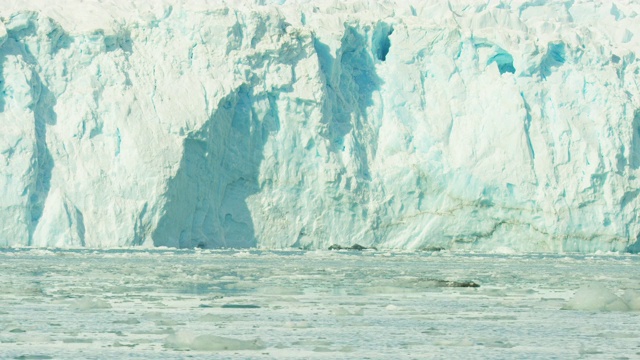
464,125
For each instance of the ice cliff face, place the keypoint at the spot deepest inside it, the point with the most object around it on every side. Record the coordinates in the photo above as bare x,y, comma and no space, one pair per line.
408,124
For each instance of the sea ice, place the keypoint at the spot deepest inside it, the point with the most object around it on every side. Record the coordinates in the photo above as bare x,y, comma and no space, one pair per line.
597,297
207,342
530,306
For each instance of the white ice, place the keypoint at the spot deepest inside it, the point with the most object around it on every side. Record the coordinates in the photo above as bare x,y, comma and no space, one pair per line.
483,125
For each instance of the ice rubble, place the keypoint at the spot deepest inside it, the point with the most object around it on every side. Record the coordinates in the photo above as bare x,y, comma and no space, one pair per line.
207,342
276,124
597,297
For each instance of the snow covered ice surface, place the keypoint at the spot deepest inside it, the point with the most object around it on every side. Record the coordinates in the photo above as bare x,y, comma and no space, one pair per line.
340,305
293,123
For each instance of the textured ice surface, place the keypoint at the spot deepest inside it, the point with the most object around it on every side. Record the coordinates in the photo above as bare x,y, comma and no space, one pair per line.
277,124
314,305
598,297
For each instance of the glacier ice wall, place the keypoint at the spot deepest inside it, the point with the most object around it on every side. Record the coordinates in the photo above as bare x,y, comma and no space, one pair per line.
277,124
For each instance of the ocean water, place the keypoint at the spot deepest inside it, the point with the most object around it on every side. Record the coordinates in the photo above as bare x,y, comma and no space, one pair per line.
320,304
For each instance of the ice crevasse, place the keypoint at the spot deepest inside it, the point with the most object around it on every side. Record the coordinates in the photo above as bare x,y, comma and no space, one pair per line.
276,124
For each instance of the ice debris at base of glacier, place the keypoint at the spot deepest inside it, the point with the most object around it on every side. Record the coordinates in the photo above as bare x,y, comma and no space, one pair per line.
391,124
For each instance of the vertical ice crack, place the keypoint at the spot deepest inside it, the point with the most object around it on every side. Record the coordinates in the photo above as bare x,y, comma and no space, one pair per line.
527,126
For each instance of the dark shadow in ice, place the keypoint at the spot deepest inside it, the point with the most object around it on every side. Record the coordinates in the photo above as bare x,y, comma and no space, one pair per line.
207,199
58,38
2,89
635,247
504,61
44,115
121,40
380,43
43,107
351,85
635,141
554,58
350,82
